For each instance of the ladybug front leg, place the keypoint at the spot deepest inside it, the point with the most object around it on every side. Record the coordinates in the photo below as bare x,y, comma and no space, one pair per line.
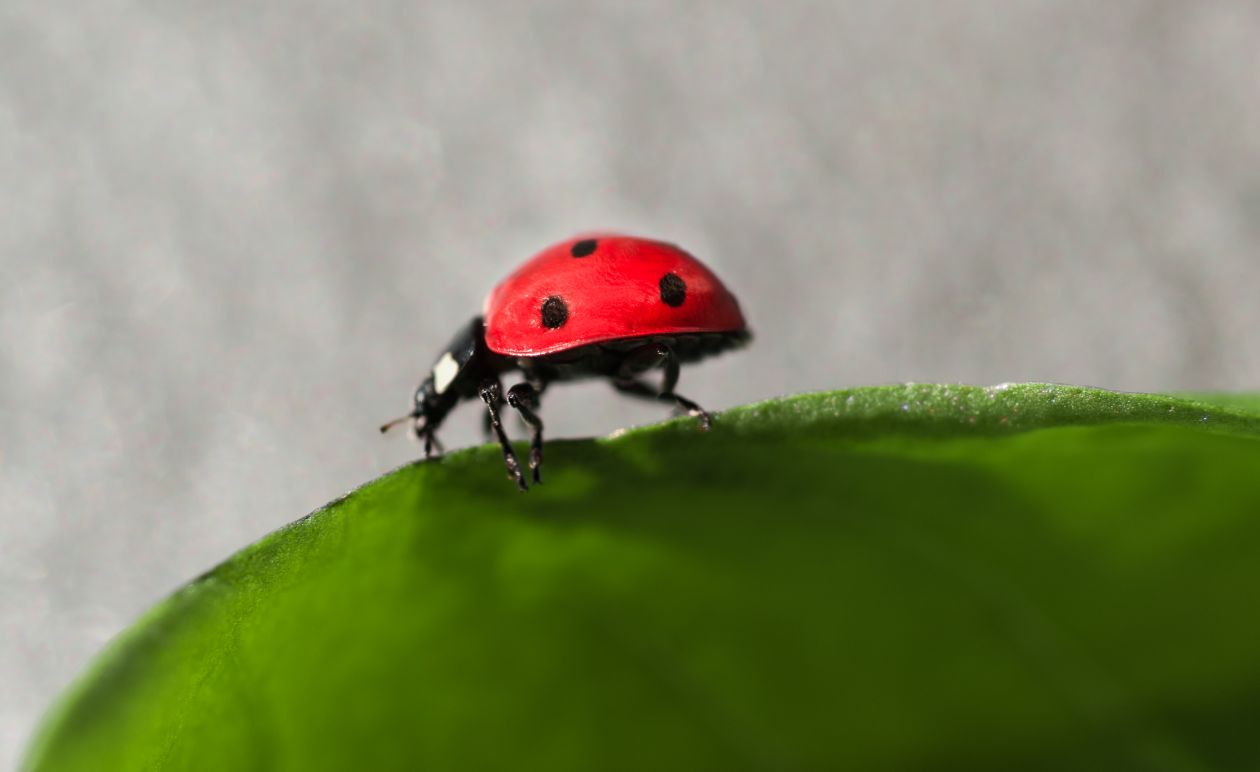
491,392
431,443
645,358
420,430
524,397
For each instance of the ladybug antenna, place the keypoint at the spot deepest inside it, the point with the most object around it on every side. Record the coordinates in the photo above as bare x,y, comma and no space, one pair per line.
400,419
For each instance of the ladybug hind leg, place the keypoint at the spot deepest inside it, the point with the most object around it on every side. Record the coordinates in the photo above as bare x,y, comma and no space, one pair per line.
491,392
645,358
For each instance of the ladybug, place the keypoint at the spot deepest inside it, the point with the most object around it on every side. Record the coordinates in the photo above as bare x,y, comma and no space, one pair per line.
604,305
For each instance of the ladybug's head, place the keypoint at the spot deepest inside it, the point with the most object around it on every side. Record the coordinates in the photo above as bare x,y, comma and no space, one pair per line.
455,376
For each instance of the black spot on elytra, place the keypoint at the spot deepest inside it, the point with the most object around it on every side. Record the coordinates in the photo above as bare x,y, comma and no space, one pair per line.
673,290
583,248
554,312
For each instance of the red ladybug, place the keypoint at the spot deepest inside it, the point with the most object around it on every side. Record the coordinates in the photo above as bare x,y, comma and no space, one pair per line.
603,305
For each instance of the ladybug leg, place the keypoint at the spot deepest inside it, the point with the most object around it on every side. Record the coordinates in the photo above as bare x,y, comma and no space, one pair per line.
537,381
491,392
421,431
667,390
645,358
534,376
432,447
524,397
487,426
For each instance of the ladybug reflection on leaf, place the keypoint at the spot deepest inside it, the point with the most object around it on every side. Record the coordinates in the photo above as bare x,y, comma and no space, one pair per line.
603,305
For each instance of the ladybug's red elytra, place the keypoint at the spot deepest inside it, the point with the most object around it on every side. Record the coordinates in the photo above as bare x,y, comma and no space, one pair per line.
600,305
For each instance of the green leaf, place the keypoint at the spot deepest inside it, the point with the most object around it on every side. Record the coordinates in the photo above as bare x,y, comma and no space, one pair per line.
930,577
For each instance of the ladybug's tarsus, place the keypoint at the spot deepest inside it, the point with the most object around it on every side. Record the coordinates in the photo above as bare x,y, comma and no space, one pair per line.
604,306
704,420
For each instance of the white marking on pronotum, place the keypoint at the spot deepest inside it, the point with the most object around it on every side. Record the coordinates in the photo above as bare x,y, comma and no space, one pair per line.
444,372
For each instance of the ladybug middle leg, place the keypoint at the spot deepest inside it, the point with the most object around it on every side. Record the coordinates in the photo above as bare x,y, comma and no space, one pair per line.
487,424
524,397
645,358
491,392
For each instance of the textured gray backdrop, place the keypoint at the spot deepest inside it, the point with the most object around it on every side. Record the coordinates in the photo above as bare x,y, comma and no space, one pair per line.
234,234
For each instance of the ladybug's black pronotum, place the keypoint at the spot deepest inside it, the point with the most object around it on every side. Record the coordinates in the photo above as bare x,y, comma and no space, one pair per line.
600,305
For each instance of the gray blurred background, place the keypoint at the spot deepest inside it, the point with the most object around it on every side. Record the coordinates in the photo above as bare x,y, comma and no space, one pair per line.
234,235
